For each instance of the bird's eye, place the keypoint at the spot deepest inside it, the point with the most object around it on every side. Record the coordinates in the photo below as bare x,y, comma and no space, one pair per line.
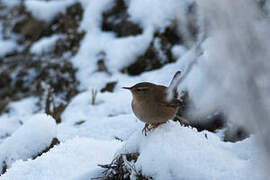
142,89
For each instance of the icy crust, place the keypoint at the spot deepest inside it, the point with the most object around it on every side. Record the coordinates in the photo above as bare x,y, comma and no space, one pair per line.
69,160
29,140
175,152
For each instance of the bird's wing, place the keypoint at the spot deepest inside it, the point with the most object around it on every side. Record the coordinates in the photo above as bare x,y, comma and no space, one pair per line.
173,103
163,101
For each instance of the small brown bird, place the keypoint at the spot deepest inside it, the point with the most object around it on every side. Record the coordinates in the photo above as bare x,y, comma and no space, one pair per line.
150,104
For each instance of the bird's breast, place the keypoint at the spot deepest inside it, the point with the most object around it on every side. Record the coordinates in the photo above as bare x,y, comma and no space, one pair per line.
152,113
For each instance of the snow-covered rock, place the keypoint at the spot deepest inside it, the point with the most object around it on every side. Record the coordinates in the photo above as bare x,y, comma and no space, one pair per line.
19,112
29,140
73,159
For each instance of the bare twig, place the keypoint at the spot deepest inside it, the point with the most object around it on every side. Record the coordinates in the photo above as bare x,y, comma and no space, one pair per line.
94,96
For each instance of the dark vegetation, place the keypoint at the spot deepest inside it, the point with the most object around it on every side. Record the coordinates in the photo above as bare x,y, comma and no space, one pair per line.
122,167
116,20
25,74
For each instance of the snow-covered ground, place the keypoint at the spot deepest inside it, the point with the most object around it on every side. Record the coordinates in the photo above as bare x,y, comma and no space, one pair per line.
88,132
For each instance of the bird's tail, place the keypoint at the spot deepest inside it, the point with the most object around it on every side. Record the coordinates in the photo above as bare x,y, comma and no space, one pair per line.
182,120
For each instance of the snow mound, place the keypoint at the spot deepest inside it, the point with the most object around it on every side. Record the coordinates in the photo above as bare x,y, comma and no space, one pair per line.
70,160
29,140
47,10
19,112
175,152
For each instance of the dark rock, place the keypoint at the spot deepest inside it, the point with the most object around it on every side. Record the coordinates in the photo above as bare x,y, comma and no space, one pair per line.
69,43
116,20
25,25
146,62
30,28
109,87
157,54
68,25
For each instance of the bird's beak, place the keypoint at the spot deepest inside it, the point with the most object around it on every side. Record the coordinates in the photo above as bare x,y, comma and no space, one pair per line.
129,88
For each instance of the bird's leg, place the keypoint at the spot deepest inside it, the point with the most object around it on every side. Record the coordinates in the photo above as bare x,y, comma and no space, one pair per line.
145,129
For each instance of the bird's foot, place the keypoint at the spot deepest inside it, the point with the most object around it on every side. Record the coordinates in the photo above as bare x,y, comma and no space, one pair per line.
146,129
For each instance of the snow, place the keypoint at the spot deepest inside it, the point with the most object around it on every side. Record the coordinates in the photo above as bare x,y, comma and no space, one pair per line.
45,44
29,140
102,120
178,51
7,46
95,42
175,152
47,10
69,160
19,112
